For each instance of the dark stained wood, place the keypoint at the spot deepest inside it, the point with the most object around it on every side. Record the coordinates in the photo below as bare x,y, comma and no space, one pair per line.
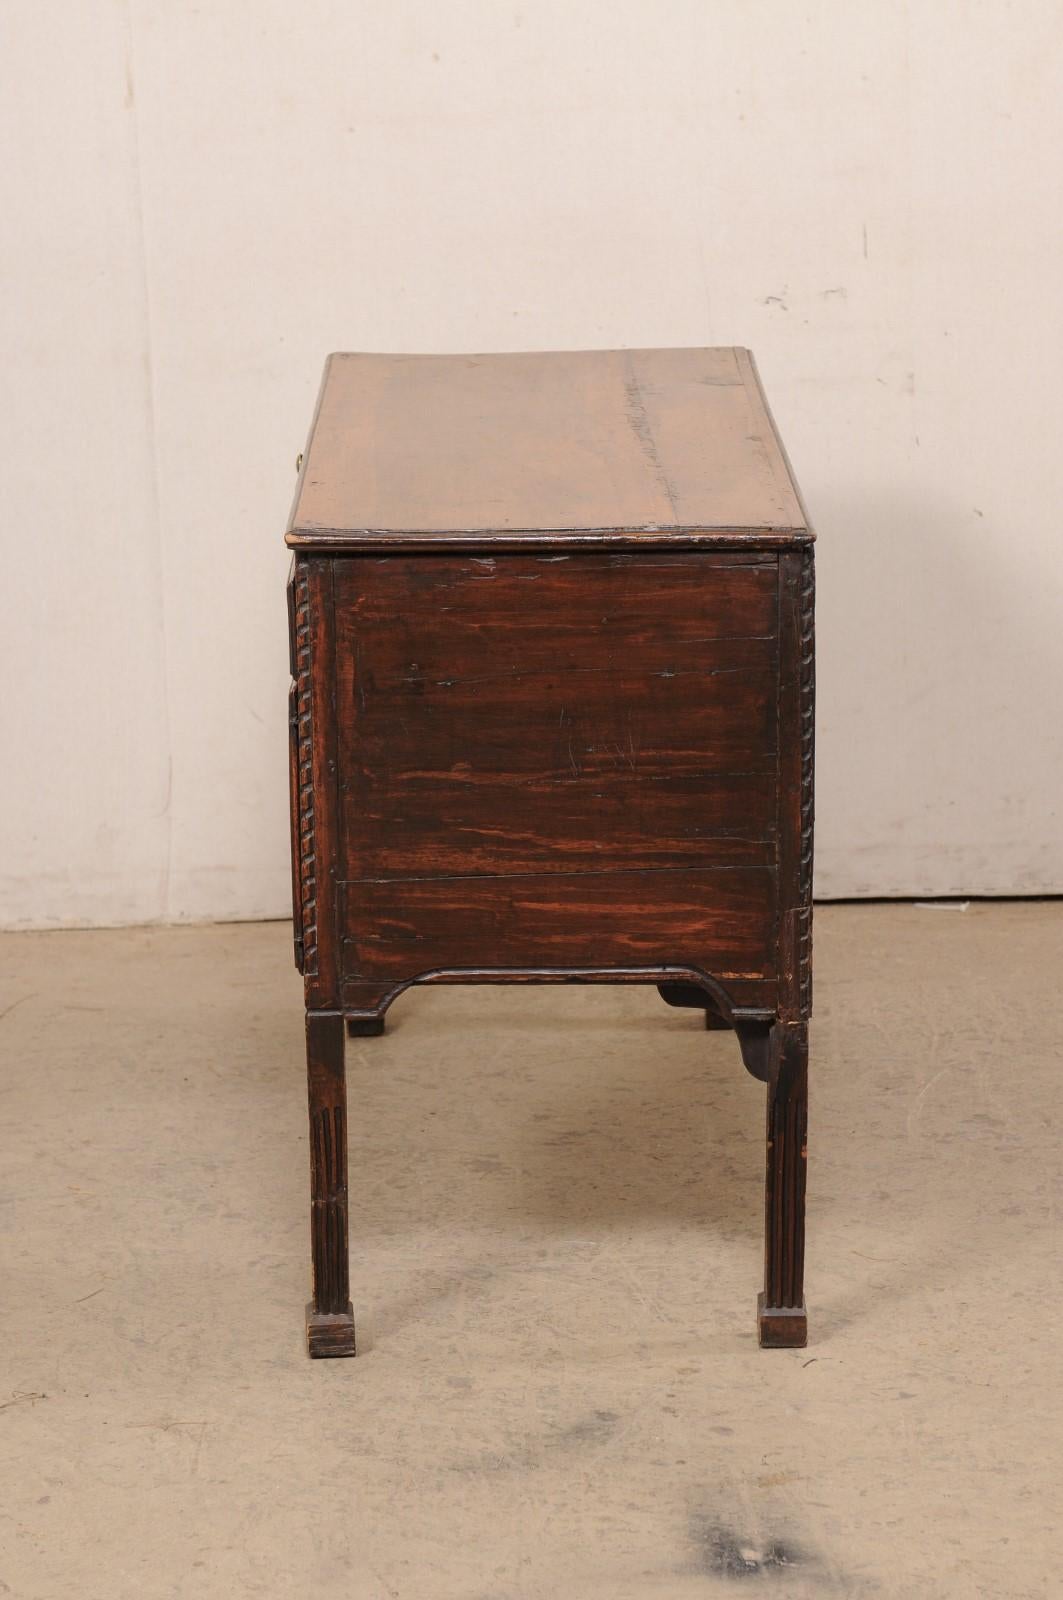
606,663
330,1318
617,446
552,721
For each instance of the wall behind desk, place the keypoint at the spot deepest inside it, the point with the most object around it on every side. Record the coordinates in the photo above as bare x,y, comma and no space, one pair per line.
200,201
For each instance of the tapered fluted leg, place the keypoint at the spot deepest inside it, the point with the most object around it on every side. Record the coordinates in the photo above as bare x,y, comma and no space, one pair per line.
329,1316
781,1309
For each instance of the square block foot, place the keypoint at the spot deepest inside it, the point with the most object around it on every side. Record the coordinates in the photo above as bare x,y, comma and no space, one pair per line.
364,1027
781,1327
330,1333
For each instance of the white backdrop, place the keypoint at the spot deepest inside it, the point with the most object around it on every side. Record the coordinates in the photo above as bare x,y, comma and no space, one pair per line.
201,201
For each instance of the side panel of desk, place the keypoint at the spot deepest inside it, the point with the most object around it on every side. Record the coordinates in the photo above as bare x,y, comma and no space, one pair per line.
550,763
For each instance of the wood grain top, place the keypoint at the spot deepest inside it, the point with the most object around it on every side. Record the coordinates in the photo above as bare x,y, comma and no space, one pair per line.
629,447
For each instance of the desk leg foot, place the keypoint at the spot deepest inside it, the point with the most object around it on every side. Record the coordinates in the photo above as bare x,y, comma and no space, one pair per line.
781,1308
781,1327
364,1027
329,1319
330,1333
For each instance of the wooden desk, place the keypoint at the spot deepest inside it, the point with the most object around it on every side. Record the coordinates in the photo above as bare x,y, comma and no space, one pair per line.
551,626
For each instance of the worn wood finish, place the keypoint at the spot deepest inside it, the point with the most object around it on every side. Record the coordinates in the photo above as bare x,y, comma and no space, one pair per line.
605,663
552,721
398,929
611,446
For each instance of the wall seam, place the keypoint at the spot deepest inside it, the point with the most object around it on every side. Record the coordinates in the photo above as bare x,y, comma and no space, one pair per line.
154,468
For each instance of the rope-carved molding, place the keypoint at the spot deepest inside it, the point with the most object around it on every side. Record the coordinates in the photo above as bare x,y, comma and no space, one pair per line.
305,758
806,622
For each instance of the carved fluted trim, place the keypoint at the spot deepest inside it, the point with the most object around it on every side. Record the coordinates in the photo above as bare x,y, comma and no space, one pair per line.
786,1164
328,1161
328,1222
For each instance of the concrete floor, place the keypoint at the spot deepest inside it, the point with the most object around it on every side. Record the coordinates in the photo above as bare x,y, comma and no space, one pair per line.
556,1204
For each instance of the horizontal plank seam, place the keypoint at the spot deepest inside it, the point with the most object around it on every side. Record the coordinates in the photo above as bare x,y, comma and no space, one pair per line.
458,779
382,686
590,872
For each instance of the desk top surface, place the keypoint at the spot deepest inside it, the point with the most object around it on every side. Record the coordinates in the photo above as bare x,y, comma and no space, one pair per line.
630,447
